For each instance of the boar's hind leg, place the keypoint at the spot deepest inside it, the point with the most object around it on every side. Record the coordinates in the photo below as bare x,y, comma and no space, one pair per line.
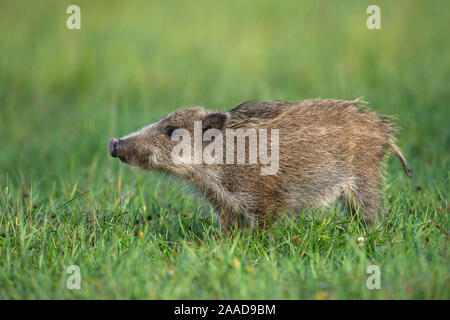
265,219
364,198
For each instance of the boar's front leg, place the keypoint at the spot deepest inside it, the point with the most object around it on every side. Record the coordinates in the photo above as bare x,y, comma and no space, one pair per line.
228,220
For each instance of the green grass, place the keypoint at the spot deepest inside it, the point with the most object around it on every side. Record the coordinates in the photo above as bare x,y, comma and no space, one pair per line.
64,93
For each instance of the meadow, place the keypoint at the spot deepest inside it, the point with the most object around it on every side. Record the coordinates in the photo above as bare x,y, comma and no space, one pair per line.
134,235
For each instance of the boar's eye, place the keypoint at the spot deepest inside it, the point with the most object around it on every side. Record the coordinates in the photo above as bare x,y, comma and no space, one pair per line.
169,130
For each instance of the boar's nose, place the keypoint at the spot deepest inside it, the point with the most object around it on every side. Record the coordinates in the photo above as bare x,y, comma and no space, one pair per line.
113,147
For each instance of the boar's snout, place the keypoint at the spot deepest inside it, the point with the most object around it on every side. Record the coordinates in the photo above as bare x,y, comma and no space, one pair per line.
119,149
113,147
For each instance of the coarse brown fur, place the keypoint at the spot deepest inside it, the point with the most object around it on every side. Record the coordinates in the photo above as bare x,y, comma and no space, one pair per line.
328,150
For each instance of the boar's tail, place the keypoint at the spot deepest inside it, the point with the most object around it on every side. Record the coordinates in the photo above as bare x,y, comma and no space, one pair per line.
406,167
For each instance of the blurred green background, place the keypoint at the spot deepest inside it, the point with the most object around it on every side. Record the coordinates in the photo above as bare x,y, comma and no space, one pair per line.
64,93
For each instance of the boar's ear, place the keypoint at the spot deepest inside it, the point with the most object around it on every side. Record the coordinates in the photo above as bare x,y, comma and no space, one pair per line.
214,120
